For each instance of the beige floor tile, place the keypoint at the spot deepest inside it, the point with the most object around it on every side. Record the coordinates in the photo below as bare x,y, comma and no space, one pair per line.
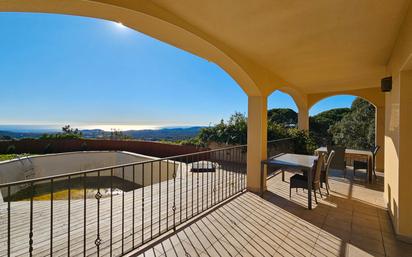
366,232
354,251
343,233
368,245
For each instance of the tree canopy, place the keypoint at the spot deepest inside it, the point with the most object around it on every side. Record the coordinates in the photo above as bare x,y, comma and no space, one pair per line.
67,133
234,132
357,128
283,116
351,127
319,124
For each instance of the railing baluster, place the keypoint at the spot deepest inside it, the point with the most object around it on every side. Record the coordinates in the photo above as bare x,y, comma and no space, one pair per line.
8,221
213,191
123,209
203,185
51,217
111,212
98,195
143,186
219,165
230,172
180,167
220,190
237,170
226,174
207,183
133,213
68,213
167,195
242,168
233,170
31,220
174,197
187,187
151,200
84,213
191,171
197,185
244,153
160,195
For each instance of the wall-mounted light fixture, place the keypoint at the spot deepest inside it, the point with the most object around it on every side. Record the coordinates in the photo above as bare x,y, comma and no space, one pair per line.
386,84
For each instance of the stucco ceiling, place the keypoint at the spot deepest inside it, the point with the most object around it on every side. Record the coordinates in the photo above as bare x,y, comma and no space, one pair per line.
313,45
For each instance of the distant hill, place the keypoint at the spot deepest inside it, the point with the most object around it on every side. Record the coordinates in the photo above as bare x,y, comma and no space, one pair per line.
5,135
169,134
164,134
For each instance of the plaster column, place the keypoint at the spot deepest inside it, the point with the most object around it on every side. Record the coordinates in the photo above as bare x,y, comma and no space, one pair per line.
303,118
404,211
380,136
256,141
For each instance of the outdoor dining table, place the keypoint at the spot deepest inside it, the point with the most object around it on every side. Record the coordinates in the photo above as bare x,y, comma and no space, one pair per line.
355,154
284,161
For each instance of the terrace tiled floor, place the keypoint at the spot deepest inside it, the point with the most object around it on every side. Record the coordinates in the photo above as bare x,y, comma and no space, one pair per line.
352,221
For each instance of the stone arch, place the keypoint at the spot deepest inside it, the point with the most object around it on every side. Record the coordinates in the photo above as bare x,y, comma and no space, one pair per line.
151,20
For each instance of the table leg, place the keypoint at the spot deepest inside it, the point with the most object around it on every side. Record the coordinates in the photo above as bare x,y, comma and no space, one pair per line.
310,190
370,175
283,175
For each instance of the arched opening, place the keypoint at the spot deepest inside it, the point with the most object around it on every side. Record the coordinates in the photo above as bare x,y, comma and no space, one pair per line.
99,75
282,109
345,120
148,19
97,81
351,122
283,122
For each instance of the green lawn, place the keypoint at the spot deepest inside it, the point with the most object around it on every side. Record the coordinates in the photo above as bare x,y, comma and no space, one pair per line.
5,157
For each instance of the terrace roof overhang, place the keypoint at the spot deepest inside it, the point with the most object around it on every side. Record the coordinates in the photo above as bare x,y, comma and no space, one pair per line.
311,47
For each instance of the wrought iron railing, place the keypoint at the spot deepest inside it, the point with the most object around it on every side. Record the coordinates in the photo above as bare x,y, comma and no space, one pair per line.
277,146
113,210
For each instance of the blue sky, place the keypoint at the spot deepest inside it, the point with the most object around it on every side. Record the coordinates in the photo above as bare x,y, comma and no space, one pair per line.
57,69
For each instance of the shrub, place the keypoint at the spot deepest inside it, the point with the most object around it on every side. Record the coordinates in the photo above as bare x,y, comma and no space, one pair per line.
84,146
48,148
304,142
11,149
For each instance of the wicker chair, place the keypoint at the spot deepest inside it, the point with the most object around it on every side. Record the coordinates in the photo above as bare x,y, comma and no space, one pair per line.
301,181
324,176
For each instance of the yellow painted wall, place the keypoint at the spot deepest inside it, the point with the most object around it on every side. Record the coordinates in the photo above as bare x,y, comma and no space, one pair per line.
398,142
405,154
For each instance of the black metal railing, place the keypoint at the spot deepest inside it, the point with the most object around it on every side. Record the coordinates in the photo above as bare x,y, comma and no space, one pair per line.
113,210
277,146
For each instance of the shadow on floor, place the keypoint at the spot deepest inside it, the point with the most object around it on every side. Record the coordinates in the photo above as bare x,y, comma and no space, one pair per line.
248,225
